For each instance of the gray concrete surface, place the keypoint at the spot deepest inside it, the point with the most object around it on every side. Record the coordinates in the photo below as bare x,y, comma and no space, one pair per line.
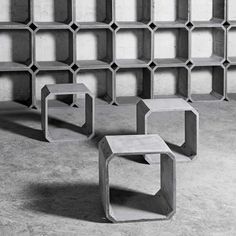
52,189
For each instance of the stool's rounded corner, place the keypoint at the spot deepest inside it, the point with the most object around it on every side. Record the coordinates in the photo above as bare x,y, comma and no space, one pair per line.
48,138
171,155
102,142
195,112
110,217
45,92
150,161
171,214
91,135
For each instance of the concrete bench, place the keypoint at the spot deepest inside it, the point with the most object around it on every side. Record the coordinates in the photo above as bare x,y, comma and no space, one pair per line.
163,203
68,89
186,152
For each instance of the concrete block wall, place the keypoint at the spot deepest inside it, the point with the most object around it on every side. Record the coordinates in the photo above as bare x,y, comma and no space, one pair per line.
122,50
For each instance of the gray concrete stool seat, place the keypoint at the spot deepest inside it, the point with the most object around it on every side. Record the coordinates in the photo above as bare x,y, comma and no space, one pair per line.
136,206
186,152
68,89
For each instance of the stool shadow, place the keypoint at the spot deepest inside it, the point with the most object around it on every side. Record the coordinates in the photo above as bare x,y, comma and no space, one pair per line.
175,148
78,201
135,158
139,201
57,123
10,122
82,201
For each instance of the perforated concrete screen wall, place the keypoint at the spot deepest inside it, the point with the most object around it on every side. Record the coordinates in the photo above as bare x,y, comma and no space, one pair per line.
122,50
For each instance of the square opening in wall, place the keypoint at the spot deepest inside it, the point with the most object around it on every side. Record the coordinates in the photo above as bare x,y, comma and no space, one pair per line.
16,86
132,84
170,11
207,46
231,82
231,45
171,46
15,48
52,12
207,83
132,11
99,82
54,77
203,12
171,82
133,47
231,11
94,47
97,12
54,48
14,12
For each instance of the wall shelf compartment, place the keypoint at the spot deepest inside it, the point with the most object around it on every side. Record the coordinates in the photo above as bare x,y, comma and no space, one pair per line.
231,12
99,82
170,82
15,53
44,77
231,45
133,47
213,78
139,12
54,13
207,46
171,46
15,13
93,13
231,83
53,48
170,12
16,86
207,12
94,48
132,84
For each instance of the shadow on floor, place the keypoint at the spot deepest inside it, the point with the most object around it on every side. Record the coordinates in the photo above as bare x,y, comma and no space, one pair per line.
9,122
135,158
82,201
141,202
175,148
78,201
12,122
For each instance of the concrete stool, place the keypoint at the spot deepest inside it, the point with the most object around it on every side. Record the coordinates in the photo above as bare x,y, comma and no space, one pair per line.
162,204
188,150
68,89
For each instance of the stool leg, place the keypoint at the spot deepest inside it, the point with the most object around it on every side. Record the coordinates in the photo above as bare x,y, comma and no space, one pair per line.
44,116
104,184
168,181
191,133
141,120
89,114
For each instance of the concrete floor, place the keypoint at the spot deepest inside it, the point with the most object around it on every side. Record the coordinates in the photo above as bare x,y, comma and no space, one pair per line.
52,189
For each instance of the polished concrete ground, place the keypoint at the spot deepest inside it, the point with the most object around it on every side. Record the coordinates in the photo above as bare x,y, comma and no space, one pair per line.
52,189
